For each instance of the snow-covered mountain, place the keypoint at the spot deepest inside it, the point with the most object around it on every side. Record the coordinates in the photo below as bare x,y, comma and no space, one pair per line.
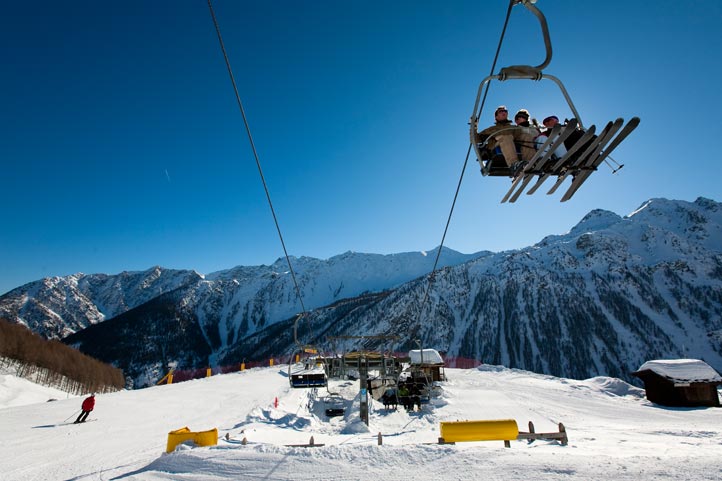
229,304
601,299
55,307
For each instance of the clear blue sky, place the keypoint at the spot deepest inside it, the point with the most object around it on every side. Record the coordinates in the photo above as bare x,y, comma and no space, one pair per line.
122,146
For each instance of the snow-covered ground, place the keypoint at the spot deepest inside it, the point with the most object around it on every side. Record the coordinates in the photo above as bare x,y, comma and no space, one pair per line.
16,391
614,432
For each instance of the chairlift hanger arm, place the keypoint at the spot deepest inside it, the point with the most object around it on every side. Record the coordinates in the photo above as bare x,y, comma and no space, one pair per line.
529,4
295,331
301,347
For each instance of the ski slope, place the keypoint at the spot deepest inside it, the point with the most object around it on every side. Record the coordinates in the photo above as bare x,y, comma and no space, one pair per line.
614,432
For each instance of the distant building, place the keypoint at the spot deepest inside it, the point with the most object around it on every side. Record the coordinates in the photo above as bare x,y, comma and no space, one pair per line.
426,364
680,382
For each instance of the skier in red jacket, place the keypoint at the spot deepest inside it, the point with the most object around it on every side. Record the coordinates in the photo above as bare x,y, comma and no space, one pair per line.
88,405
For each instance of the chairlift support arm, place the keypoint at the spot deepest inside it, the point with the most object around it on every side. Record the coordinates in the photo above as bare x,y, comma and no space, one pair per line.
529,4
301,347
295,330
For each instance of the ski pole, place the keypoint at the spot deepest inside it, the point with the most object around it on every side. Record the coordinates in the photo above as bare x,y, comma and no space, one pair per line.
76,412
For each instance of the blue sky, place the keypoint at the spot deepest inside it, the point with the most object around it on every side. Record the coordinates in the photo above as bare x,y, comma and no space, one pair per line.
123,147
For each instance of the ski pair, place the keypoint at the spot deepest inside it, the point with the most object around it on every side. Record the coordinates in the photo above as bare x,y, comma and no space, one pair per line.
73,422
581,142
589,153
600,154
557,136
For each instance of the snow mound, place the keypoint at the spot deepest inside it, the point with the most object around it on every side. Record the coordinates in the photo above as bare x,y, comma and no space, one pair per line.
614,387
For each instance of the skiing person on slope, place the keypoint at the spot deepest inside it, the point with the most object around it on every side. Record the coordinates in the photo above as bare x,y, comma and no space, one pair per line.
88,405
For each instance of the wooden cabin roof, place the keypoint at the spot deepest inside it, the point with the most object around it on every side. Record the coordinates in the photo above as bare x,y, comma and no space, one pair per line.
681,370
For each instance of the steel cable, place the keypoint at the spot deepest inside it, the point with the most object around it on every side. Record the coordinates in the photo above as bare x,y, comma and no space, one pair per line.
258,162
463,169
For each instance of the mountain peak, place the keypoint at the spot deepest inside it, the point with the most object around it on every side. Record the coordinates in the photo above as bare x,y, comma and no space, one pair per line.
596,220
707,204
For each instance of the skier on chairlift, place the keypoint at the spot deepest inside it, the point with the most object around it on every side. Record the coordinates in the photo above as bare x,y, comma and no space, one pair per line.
503,134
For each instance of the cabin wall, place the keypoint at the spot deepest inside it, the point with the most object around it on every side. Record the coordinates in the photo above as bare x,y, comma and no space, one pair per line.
424,372
662,391
701,394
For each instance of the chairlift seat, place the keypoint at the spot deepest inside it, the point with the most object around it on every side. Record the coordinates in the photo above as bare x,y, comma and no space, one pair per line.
301,377
335,405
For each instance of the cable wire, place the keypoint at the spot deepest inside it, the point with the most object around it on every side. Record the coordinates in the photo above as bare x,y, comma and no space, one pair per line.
463,169
255,155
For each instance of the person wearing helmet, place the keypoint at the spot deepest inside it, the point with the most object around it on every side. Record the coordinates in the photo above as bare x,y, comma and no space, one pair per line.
549,124
87,406
503,134
528,125
522,119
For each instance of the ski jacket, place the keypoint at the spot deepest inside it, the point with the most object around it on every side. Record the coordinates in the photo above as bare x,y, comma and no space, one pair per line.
89,403
529,129
505,125
502,124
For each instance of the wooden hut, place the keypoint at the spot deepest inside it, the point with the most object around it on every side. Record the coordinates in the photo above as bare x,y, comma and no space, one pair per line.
427,364
680,382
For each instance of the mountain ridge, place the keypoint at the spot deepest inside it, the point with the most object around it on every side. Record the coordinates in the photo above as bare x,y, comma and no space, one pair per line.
56,307
601,299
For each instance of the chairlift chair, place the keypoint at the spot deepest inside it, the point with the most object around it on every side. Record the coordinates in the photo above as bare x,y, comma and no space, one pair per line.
580,164
309,372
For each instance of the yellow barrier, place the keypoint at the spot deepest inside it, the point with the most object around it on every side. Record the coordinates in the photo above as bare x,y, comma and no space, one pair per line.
202,438
168,378
491,430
